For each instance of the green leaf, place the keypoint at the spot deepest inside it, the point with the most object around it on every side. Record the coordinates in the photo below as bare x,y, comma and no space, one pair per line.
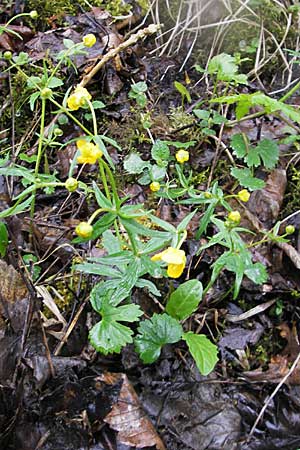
54,82
245,178
185,300
184,223
134,164
202,350
3,239
99,141
268,151
98,269
17,208
32,99
110,337
97,104
257,273
160,150
183,91
111,243
240,144
143,283
224,66
139,87
102,201
161,329
201,114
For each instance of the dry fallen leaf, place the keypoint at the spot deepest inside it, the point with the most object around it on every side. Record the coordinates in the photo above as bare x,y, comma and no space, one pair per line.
128,418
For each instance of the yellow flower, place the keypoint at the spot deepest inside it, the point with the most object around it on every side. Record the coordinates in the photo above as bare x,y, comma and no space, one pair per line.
244,195
89,40
89,152
234,216
84,230
79,98
155,186
182,156
175,259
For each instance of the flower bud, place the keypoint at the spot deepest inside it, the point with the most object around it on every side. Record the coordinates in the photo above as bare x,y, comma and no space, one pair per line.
244,195
290,229
182,156
84,230
46,93
7,55
89,40
234,216
58,132
154,186
71,184
33,14
208,195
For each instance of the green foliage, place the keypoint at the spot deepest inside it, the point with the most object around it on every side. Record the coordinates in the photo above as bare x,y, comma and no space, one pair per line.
183,91
225,68
185,300
153,334
3,239
202,350
246,179
265,153
137,92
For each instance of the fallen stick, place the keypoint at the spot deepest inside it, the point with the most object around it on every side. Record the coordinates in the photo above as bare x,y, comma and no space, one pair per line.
151,29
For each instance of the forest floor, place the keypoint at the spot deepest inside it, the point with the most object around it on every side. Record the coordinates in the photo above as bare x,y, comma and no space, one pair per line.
56,391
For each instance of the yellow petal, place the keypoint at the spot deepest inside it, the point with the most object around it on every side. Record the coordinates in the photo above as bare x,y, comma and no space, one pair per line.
175,270
156,257
173,256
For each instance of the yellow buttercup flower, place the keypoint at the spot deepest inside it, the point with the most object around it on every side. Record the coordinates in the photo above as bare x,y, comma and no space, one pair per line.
182,156
244,195
89,40
84,230
89,152
154,186
234,216
175,259
79,98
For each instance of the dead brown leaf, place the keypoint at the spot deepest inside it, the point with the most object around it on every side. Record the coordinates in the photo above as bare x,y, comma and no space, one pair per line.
128,418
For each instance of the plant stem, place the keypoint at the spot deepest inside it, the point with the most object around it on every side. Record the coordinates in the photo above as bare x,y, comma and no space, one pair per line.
290,92
113,184
39,154
93,117
104,180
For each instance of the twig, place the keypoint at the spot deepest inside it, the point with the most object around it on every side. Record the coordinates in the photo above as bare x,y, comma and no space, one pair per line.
260,415
151,29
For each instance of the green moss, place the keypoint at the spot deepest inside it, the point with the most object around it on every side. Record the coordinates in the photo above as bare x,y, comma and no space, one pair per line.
58,8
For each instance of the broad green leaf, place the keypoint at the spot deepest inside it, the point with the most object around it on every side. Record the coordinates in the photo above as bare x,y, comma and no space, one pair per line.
269,153
97,104
139,87
136,228
3,239
160,150
161,329
115,259
185,299
201,114
110,337
257,273
203,351
54,83
124,313
32,100
18,172
245,178
240,144
129,278
163,224
158,173
134,164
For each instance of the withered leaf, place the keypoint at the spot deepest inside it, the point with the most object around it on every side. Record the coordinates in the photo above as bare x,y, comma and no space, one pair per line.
128,418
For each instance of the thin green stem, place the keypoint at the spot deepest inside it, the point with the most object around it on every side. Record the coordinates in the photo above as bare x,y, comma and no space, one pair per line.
113,184
67,112
104,180
290,92
132,241
39,154
95,127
